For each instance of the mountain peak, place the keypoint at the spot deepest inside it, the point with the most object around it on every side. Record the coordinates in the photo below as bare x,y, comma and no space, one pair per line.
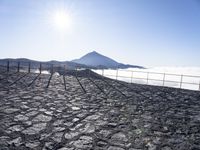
96,59
94,53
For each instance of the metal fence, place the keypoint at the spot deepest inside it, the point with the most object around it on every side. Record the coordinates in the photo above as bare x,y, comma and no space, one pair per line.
18,66
153,78
141,77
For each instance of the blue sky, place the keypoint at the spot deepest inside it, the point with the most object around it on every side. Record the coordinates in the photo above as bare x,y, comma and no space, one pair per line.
141,32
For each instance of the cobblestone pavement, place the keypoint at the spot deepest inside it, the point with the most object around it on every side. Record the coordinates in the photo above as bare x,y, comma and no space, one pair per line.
45,112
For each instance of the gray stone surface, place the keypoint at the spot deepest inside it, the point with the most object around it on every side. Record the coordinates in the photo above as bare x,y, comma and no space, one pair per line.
84,142
115,148
71,135
35,129
144,118
21,118
42,118
11,110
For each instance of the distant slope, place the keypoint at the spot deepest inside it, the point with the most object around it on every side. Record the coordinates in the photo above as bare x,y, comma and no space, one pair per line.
98,60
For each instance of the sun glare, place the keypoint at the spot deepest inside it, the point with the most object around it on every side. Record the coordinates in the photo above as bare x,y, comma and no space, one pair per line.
61,20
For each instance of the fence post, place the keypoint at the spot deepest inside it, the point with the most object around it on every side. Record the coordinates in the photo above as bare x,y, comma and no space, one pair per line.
147,78
52,69
76,71
164,79
181,81
40,68
131,76
8,66
18,66
116,74
29,67
88,72
102,72
64,69
199,85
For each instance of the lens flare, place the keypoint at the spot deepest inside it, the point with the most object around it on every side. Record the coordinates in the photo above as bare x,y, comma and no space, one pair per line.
61,20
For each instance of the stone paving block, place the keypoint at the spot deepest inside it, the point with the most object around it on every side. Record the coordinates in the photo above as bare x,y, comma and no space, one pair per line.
35,129
42,118
84,142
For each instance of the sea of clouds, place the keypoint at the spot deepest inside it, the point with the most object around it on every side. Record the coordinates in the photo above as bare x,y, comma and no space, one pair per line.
190,76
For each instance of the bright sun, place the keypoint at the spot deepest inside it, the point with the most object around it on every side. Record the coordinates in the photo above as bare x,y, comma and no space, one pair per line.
61,20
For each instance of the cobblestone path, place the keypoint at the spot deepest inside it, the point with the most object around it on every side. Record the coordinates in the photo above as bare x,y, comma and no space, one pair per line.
44,112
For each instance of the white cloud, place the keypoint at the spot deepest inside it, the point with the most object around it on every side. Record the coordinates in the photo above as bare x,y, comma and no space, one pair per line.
190,76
